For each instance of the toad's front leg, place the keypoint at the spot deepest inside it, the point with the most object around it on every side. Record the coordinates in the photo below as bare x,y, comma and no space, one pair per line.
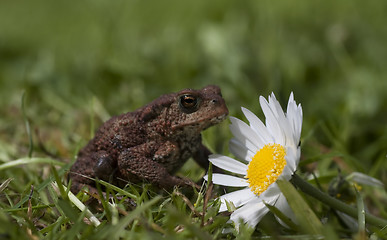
138,164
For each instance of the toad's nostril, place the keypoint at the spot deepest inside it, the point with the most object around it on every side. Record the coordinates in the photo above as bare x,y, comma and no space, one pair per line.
214,101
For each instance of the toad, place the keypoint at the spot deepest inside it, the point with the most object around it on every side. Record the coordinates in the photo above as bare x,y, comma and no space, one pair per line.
151,143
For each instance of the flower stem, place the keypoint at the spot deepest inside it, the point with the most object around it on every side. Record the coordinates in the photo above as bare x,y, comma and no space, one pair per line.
334,203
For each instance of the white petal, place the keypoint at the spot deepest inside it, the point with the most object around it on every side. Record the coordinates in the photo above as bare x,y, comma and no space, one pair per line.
227,180
271,200
294,115
297,122
228,164
258,126
287,174
247,145
240,151
273,191
299,119
244,134
238,198
362,178
271,121
291,102
291,159
273,102
251,213
283,122
291,112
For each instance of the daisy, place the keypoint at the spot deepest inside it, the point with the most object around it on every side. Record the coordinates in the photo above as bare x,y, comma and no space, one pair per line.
269,152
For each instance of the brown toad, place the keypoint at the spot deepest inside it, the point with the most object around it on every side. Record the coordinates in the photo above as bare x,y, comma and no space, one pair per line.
151,143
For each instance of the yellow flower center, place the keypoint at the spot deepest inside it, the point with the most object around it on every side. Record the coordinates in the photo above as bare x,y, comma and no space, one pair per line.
265,167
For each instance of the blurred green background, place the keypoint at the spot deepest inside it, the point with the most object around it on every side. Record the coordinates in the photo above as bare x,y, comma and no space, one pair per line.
80,62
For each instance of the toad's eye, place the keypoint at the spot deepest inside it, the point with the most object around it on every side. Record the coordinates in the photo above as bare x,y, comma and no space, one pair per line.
188,103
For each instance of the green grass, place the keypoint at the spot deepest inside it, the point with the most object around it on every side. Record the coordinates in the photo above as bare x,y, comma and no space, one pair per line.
80,63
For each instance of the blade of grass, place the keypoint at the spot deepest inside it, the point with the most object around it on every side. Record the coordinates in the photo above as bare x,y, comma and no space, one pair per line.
114,232
68,210
282,216
209,174
360,212
178,217
113,187
308,221
42,186
35,160
27,124
104,200
4,185
78,204
50,228
60,185
26,208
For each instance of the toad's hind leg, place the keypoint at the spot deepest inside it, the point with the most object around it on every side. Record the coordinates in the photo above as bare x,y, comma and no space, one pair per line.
80,176
87,167
135,164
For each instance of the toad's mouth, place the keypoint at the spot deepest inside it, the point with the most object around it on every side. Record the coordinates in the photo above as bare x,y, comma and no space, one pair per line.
218,119
215,120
